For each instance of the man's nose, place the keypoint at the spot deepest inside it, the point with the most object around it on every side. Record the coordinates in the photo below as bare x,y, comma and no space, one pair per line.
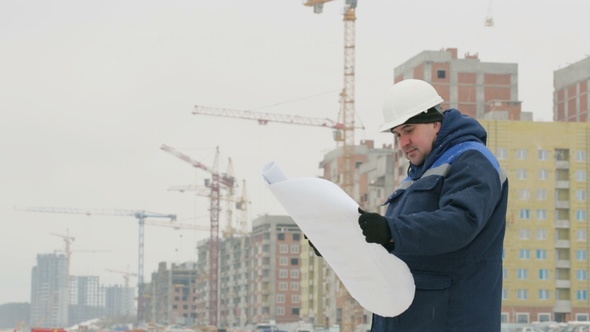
404,140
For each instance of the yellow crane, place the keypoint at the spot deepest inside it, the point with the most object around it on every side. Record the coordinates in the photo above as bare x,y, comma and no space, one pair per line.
126,275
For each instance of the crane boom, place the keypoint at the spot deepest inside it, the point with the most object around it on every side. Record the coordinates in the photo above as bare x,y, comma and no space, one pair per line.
265,118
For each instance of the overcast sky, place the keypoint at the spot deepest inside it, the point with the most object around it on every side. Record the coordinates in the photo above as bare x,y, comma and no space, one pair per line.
90,90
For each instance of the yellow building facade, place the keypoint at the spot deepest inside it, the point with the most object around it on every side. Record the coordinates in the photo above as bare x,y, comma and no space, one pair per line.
546,247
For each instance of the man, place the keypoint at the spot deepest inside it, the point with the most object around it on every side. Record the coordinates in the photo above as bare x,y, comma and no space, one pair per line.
447,219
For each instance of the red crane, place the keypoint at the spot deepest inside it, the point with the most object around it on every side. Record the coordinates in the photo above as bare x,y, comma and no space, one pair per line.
217,179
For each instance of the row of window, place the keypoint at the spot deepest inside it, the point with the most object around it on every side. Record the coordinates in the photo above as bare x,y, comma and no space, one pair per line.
541,254
541,214
522,317
295,298
542,233
560,155
284,273
541,195
523,274
543,175
543,294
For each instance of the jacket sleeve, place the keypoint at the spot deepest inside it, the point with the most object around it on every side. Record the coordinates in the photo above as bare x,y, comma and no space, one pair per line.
469,193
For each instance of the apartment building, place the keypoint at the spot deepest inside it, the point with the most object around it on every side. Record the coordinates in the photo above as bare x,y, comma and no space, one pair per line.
546,246
49,291
259,279
468,84
571,97
119,301
87,299
171,295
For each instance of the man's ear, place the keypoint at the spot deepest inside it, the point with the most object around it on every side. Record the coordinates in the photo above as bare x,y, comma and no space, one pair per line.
437,126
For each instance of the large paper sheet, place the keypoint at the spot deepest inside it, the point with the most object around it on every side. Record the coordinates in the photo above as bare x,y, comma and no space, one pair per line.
378,280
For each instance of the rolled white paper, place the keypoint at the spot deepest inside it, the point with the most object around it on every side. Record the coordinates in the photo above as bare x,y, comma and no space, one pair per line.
379,281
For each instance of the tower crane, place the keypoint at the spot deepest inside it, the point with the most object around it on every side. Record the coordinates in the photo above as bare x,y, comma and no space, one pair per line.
344,127
241,204
217,180
126,275
141,216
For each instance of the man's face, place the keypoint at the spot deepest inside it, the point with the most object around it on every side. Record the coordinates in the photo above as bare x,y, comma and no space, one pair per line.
416,140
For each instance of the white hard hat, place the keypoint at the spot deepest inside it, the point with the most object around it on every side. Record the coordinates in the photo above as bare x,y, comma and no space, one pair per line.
406,99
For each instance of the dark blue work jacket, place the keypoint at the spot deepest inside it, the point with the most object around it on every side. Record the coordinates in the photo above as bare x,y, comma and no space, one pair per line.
447,222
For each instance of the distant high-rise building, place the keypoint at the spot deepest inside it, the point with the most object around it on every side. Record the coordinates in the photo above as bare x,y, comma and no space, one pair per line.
571,97
49,291
470,85
171,295
259,275
86,299
119,301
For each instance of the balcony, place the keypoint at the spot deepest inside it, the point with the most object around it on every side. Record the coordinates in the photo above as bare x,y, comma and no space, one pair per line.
562,244
562,204
562,164
562,264
563,306
561,184
560,283
562,224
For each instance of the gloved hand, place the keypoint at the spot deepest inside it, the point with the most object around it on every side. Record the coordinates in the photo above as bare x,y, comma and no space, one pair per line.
317,253
375,227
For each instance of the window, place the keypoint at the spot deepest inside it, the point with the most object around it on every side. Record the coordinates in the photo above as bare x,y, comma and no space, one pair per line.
521,154
281,236
542,194
521,174
582,317
543,155
441,74
581,215
280,298
581,235
502,154
525,254
582,295
581,156
283,249
524,214
295,298
541,214
523,274
504,273
541,254
544,317
283,273
280,311
504,294
524,194
580,175
581,274
296,236
543,294
542,234
295,248
294,274
581,195
525,234
581,255
543,274
294,261
522,294
283,261
283,286
295,286
543,174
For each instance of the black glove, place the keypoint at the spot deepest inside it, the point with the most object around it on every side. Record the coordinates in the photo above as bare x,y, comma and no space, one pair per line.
375,227
317,253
